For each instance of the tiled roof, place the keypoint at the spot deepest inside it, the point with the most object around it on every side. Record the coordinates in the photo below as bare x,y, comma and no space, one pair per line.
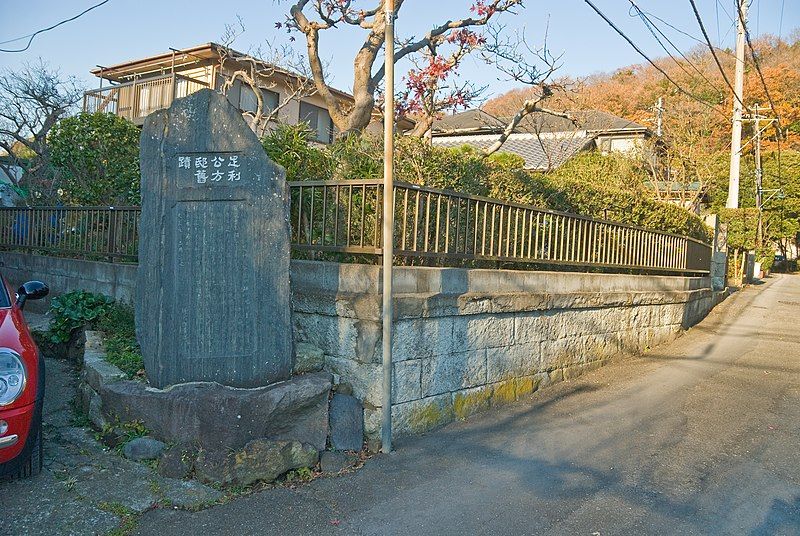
540,153
477,121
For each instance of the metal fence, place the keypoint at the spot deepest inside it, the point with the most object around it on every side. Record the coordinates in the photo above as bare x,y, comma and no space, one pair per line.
96,233
345,217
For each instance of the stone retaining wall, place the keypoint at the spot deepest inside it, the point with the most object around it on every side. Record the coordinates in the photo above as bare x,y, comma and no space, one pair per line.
464,339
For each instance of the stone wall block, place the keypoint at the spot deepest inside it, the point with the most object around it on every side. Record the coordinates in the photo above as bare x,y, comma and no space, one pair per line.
512,361
406,381
421,337
422,415
468,402
364,377
451,372
482,331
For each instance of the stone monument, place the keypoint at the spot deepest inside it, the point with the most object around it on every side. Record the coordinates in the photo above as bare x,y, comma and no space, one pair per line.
213,300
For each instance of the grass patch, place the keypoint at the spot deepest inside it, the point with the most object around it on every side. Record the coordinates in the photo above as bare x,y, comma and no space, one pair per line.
128,518
122,350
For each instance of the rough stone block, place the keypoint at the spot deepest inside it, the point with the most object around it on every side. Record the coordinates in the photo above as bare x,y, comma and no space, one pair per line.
504,392
259,461
143,448
365,378
527,385
421,337
452,372
347,423
309,358
217,417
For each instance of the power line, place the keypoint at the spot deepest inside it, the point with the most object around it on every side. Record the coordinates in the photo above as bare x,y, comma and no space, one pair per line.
758,68
651,26
687,34
714,54
659,69
34,34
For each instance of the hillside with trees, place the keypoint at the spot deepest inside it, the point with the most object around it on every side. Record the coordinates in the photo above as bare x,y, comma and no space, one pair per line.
696,126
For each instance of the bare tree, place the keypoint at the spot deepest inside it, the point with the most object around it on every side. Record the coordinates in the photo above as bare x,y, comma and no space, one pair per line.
32,100
310,17
261,69
520,62
431,86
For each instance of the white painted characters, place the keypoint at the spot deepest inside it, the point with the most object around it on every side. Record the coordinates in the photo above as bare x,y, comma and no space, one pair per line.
212,167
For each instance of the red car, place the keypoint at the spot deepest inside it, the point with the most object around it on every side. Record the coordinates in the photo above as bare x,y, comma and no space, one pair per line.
21,384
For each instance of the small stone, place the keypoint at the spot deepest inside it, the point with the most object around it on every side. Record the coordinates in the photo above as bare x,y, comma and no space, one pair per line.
374,445
344,388
95,412
143,448
333,462
347,423
188,493
308,358
176,462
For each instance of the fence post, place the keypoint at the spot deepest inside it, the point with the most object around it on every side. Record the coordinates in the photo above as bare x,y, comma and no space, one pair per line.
111,247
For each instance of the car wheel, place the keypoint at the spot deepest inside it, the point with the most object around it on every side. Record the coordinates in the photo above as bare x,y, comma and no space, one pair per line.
33,465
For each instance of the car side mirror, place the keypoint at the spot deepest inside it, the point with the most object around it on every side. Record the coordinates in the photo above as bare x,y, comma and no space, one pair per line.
32,290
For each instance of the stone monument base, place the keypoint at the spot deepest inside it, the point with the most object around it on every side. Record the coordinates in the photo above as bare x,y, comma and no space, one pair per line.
225,434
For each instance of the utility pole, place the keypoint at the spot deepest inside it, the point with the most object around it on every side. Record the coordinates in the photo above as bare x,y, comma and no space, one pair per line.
388,230
759,204
738,88
659,116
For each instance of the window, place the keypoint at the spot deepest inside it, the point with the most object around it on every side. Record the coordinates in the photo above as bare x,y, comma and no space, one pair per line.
249,103
319,120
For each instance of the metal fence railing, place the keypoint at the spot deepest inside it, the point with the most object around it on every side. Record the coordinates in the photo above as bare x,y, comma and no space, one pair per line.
345,217
96,233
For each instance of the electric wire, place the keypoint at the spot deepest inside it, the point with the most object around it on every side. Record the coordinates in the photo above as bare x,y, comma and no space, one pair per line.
651,26
651,62
758,68
714,54
685,33
34,34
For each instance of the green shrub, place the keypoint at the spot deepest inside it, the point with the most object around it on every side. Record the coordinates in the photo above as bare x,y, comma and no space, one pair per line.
75,310
119,327
95,157
610,187
291,147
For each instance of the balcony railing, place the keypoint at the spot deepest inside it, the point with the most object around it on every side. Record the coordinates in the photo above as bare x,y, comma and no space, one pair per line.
344,217
136,100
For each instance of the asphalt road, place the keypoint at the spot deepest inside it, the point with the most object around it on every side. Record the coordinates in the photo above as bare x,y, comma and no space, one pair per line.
700,437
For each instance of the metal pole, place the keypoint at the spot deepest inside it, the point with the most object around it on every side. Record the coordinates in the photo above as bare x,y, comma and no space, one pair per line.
736,133
659,112
388,227
759,201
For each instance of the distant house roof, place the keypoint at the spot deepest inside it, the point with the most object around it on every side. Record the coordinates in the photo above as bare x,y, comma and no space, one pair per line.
206,52
477,121
544,140
539,153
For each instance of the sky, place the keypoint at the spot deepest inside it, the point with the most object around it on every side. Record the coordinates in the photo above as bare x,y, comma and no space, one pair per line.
128,29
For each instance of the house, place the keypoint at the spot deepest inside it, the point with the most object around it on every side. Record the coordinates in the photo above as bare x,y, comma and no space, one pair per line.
544,140
136,88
